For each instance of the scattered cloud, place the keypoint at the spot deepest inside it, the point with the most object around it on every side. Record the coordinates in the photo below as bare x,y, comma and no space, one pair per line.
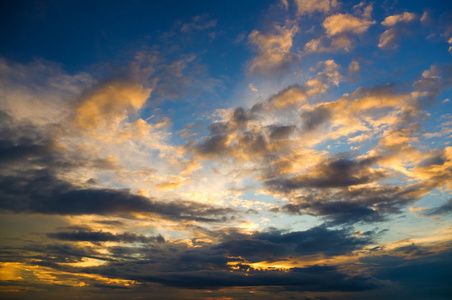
342,23
400,18
306,7
274,49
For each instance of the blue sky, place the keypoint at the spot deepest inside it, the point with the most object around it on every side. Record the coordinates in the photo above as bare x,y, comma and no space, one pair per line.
285,149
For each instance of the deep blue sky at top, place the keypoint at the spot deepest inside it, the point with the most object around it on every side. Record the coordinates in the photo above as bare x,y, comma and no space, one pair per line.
80,33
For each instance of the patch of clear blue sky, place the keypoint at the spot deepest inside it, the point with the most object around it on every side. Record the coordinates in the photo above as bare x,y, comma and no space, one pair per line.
81,33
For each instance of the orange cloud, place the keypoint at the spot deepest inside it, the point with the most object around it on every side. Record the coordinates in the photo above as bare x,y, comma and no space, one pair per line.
341,23
404,17
110,103
274,48
305,7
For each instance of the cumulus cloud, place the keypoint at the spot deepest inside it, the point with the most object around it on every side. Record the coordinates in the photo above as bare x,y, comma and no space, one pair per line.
306,7
389,37
110,103
400,18
274,49
337,43
342,23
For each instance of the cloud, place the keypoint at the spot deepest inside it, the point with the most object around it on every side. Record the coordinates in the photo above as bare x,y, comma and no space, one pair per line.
275,245
199,23
316,278
40,192
253,88
274,49
435,169
342,23
354,67
307,7
340,42
98,193
290,96
281,132
419,278
109,103
226,264
30,181
389,38
450,43
400,18
338,172
444,209
101,236
40,91
348,206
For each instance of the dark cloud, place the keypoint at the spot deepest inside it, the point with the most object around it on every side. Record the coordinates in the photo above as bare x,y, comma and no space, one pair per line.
314,118
425,277
100,236
411,251
51,255
21,141
41,192
315,278
367,204
207,266
212,145
241,117
278,132
444,209
274,245
25,145
331,173
225,145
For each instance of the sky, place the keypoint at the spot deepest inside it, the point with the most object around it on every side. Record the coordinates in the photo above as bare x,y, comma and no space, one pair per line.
284,149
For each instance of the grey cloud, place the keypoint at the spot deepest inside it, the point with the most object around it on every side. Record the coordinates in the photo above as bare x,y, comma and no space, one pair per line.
369,204
425,277
314,118
444,209
274,245
212,145
334,172
41,192
206,266
100,236
315,278
278,132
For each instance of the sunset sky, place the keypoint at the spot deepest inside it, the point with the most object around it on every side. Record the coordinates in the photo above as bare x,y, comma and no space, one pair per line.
284,149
